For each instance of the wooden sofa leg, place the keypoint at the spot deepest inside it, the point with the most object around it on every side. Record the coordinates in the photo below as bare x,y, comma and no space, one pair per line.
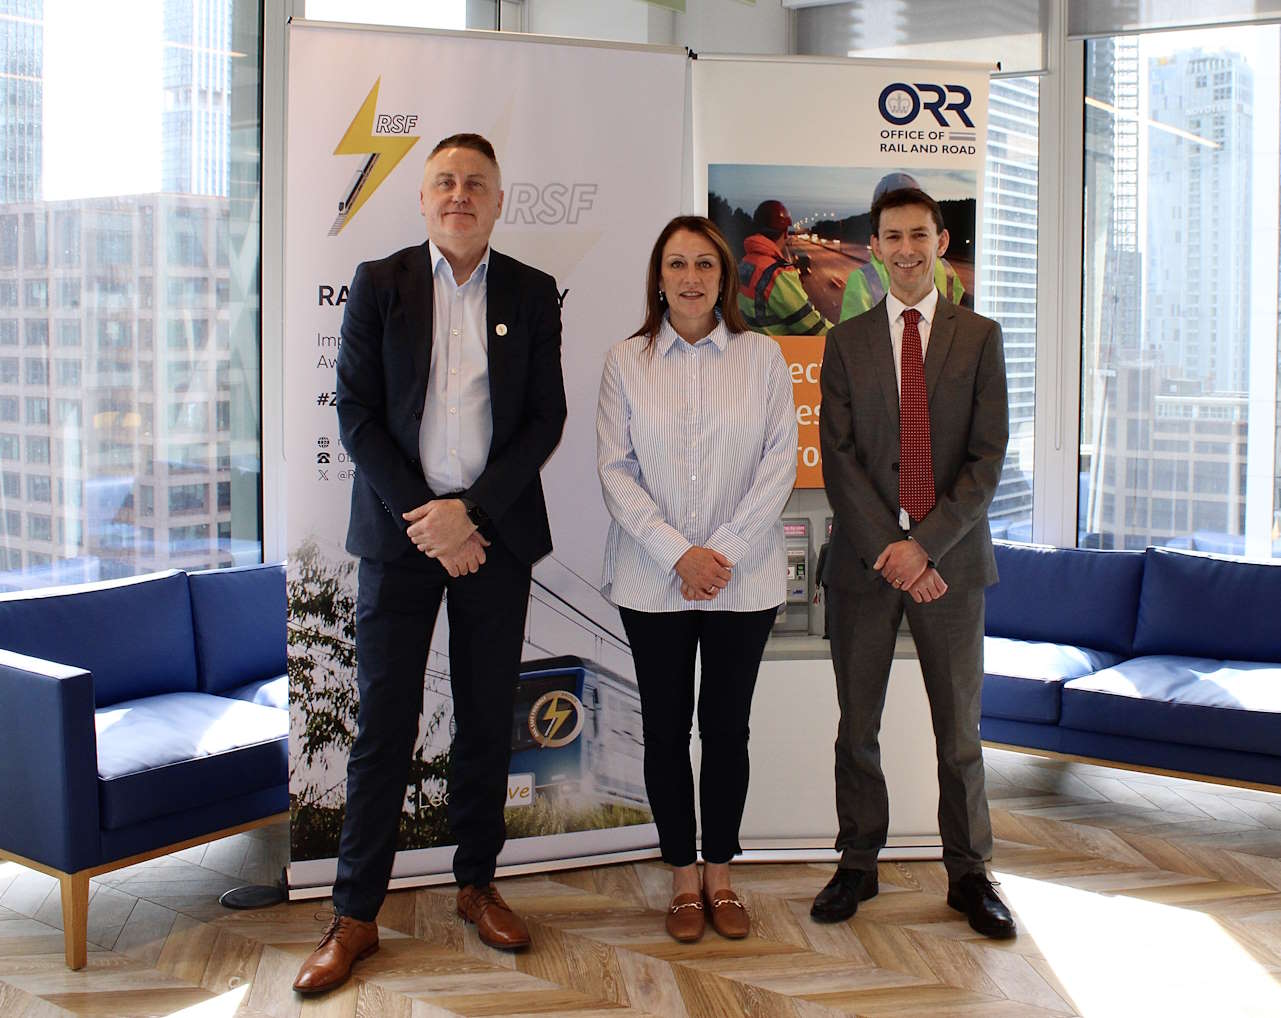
75,917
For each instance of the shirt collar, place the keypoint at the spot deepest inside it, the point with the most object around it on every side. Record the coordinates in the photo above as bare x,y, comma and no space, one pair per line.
926,306
437,257
668,337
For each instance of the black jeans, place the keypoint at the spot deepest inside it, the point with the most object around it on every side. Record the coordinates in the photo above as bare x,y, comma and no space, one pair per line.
663,647
396,607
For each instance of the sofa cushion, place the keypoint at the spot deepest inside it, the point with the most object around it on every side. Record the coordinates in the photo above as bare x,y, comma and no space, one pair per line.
134,635
267,692
1071,596
239,619
1023,678
164,754
1203,605
1193,701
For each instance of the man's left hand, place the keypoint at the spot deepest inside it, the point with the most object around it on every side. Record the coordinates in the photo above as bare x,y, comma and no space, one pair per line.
929,587
439,526
901,564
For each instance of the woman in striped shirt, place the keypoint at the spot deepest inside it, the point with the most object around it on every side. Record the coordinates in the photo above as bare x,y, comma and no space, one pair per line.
696,451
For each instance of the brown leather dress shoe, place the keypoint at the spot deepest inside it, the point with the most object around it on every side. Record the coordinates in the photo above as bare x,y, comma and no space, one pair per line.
686,918
496,923
345,942
729,915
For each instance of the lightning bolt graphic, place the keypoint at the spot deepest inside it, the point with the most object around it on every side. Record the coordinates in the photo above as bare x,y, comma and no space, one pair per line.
557,715
383,152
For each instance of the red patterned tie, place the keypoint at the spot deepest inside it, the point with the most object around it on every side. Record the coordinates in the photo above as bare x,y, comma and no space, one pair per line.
916,467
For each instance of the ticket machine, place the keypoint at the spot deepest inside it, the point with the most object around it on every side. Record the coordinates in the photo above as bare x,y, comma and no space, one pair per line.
794,613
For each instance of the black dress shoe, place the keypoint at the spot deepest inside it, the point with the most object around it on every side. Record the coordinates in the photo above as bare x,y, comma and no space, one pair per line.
839,899
976,896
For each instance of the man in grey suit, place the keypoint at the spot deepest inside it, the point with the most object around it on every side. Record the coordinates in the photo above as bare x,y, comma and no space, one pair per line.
913,432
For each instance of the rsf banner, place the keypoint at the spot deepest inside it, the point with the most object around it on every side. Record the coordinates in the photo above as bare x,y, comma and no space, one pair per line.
589,139
794,199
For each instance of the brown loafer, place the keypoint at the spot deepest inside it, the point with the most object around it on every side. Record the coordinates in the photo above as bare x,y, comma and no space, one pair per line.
496,923
345,942
729,915
686,919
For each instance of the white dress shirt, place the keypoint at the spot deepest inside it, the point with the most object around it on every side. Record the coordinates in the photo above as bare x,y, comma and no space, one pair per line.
895,308
696,445
457,425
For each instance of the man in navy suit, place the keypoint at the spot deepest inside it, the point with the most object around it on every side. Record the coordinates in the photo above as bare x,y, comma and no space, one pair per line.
450,399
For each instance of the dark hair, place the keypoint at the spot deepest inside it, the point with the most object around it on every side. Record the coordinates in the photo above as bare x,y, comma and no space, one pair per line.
475,142
901,198
728,299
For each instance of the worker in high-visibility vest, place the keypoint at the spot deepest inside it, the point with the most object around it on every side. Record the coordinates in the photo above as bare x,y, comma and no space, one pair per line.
770,292
867,284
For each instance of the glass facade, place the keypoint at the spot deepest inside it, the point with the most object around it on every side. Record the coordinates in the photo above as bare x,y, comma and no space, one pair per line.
1179,321
129,324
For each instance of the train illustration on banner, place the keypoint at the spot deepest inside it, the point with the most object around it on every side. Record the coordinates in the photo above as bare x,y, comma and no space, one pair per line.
576,726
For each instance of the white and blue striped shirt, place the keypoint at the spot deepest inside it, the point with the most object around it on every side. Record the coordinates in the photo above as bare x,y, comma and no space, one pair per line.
695,445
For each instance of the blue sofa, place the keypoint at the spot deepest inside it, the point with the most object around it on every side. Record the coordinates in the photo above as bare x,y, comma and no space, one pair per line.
140,716
1158,658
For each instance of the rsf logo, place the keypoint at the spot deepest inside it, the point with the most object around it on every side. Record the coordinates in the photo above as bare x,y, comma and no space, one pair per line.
901,103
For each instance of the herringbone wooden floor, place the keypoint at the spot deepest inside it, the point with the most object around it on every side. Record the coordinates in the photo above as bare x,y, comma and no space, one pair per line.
1137,895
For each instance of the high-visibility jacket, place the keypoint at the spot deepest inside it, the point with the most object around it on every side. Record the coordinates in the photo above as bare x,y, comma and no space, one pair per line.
867,285
770,293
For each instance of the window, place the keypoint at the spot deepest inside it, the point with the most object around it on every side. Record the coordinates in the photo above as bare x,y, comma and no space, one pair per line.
38,489
190,539
35,332
188,498
37,449
82,274
68,372
1006,289
1177,260
37,410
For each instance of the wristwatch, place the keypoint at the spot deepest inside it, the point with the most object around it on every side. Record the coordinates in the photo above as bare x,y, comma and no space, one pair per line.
475,513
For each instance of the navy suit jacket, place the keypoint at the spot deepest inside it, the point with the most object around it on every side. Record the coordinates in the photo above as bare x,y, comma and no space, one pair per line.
383,364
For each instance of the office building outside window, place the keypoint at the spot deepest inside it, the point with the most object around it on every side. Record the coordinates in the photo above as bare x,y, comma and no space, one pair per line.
1179,357
129,289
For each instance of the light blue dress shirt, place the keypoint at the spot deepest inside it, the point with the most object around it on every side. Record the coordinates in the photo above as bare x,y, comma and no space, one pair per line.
457,425
696,445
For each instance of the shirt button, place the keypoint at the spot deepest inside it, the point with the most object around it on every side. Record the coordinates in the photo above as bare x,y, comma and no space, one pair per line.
693,477
453,371
453,410
453,332
453,452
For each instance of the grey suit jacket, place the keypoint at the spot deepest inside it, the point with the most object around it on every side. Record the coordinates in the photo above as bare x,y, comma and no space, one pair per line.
859,437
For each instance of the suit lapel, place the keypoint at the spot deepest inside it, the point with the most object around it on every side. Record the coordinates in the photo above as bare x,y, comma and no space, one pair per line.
882,351
418,302
499,310
941,333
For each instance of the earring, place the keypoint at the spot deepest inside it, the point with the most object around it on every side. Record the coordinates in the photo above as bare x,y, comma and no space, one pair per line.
662,297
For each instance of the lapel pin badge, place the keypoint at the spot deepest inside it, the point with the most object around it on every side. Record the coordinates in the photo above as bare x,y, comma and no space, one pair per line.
500,329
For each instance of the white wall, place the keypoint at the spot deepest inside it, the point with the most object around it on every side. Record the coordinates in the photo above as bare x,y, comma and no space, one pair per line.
712,26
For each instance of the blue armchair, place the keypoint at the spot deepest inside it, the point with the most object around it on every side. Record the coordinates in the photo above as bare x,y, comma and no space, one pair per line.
140,717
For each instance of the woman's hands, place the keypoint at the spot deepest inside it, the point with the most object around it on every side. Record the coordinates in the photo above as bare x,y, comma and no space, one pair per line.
704,573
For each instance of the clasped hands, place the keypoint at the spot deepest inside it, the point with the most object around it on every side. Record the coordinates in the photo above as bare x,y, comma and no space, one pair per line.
440,529
906,566
704,573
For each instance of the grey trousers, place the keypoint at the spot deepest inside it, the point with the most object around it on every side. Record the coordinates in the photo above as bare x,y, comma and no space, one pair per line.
949,641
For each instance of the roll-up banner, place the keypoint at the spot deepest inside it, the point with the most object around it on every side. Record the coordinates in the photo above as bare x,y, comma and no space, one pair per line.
590,140
808,143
